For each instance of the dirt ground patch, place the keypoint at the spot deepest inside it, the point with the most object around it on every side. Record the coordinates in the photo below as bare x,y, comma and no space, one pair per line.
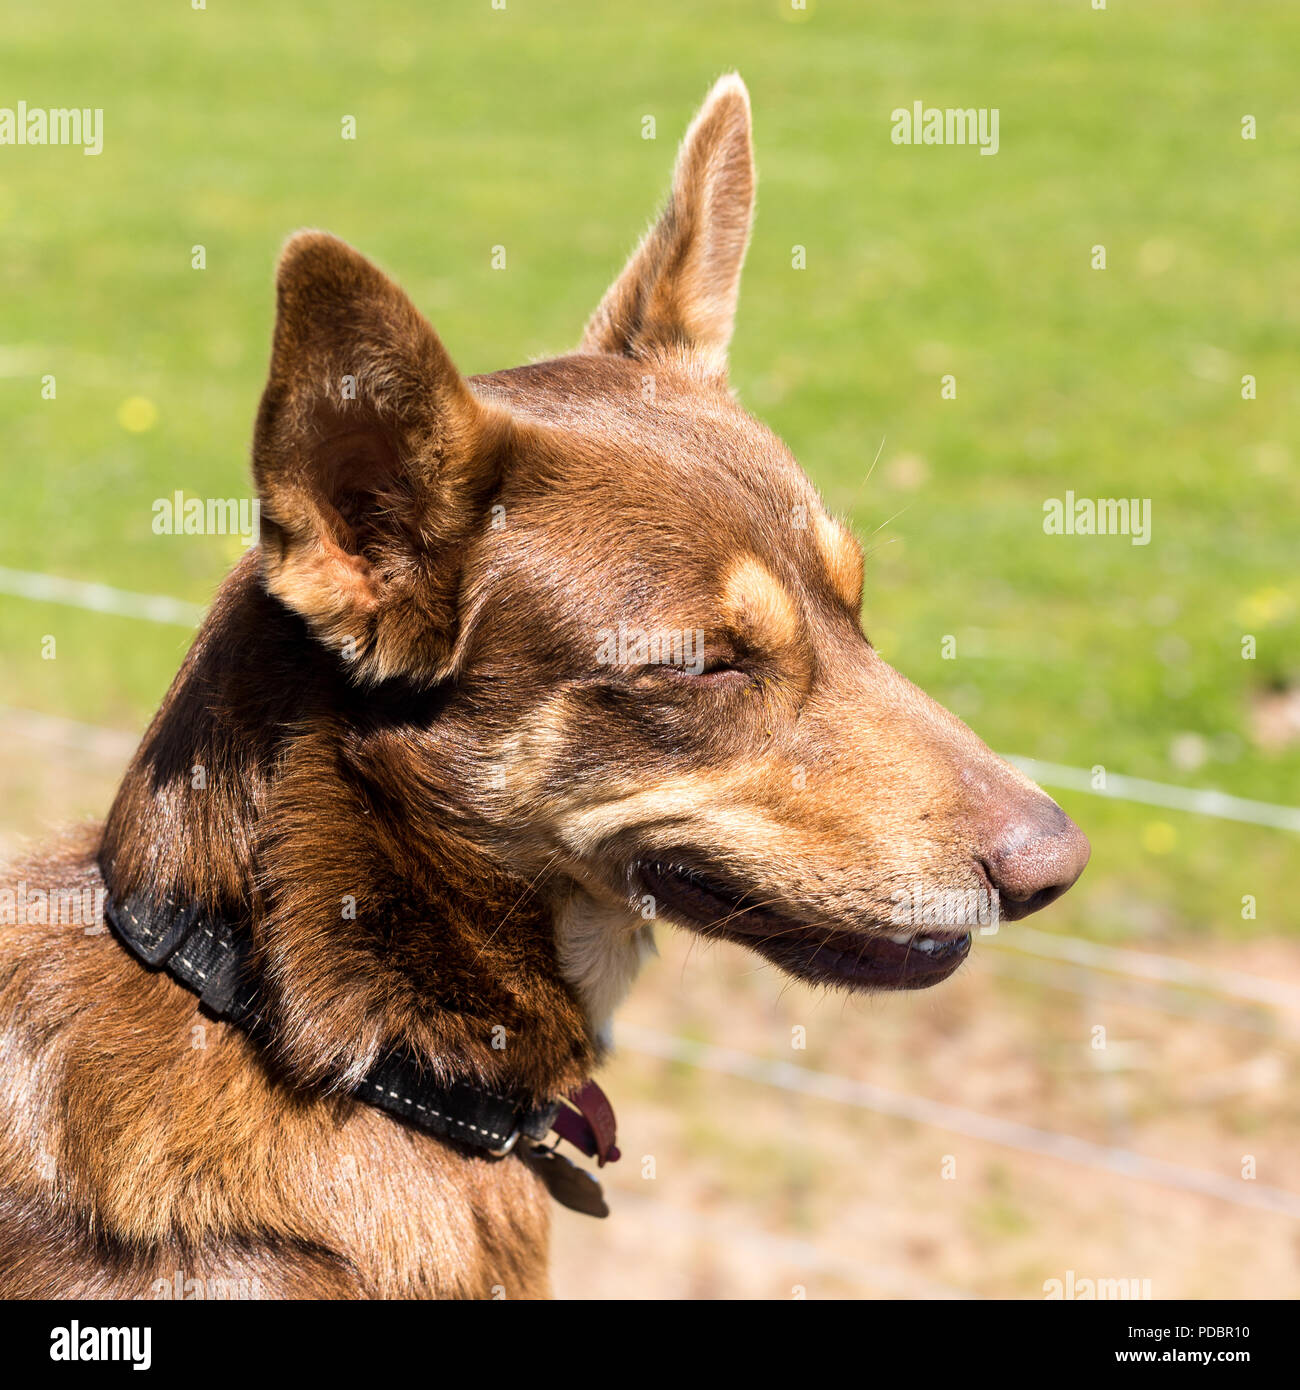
734,1188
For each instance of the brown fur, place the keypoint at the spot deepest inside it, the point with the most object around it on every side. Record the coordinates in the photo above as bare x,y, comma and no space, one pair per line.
396,702
131,1154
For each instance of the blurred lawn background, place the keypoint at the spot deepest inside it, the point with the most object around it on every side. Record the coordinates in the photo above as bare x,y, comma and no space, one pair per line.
522,128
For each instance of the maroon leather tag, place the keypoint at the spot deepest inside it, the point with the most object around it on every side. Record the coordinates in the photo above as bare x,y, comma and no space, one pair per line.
591,1127
599,1114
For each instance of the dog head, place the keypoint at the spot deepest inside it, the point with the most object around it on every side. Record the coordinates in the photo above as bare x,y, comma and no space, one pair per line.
655,697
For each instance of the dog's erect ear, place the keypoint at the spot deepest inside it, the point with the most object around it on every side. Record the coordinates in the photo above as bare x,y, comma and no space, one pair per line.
679,290
373,461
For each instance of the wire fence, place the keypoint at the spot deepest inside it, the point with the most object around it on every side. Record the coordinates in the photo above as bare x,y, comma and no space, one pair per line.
1200,802
161,608
1167,973
973,1124
99,598
793,1254
114,745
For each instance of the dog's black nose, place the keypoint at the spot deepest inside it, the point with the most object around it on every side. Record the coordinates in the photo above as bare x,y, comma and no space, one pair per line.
1034,855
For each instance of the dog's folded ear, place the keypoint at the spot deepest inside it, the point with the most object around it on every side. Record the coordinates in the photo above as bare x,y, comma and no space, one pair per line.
678,292
373,460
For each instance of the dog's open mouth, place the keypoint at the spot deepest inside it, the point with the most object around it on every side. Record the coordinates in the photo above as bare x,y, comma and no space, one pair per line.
817,952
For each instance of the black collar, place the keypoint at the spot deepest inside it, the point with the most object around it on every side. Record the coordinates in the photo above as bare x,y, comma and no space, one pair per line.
206,954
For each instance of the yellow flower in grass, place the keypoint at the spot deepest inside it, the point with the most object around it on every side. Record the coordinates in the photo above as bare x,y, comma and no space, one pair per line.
1158,837
1264,607
137,414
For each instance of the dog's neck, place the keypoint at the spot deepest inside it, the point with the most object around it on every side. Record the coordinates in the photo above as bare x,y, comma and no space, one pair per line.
267,789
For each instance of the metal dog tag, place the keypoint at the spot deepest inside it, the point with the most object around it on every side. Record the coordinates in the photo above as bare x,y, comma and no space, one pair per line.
571,1186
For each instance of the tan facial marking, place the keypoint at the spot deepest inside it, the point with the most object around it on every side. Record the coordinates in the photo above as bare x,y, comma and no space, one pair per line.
693,799
522,760
842,557
755,600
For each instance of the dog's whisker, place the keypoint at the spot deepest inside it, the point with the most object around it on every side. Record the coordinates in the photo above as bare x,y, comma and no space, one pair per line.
862,485
528,888
887,520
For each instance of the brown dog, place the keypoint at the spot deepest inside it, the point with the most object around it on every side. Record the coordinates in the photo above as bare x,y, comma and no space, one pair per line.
521,663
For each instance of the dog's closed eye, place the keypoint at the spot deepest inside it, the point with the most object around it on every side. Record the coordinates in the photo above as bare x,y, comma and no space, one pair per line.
713,674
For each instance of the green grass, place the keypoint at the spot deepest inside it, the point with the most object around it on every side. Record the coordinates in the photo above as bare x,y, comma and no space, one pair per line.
523,128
